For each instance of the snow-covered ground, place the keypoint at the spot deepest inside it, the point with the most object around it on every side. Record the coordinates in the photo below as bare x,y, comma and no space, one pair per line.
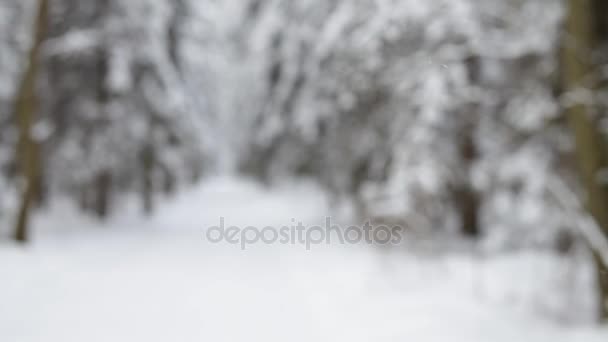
159,279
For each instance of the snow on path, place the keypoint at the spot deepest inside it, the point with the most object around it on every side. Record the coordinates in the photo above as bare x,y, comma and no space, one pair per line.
160,280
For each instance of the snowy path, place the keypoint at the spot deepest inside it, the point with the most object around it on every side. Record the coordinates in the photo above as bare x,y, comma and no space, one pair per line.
161,281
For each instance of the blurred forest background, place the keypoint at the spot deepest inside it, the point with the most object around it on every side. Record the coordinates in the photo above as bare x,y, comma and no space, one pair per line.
481,120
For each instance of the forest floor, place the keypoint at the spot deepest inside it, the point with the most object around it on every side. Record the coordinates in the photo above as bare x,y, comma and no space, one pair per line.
159,279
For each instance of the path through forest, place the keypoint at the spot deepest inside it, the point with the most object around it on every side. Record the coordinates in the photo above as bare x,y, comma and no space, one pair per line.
160,280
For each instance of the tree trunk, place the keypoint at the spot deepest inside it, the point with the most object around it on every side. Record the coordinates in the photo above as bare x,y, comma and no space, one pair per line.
466,197
103,191
148,162
579,75
469,212
169,180
25,111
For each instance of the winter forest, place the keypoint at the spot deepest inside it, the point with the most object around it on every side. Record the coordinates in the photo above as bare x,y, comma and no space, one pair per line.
471,134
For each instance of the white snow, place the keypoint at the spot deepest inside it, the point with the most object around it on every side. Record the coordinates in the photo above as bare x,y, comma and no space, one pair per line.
160,280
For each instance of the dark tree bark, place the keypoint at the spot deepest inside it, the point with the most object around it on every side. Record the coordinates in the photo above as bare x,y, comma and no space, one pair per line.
148,162
466,197
103,191
579,73
25,112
